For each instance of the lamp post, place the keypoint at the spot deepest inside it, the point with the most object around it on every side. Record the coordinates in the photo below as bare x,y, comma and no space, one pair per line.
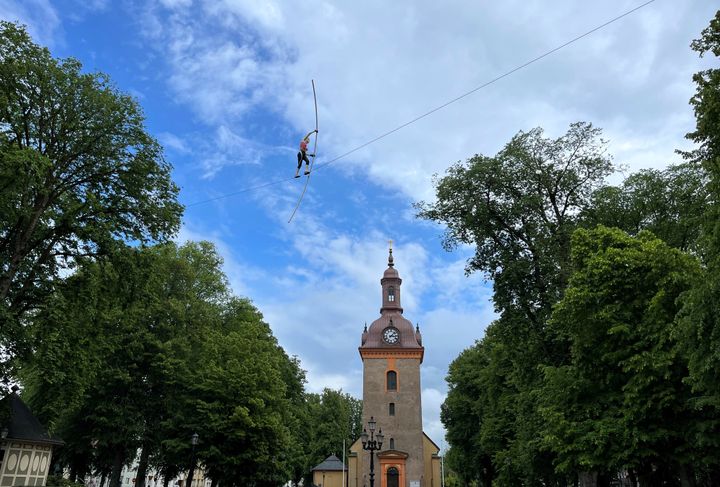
193,442
371,443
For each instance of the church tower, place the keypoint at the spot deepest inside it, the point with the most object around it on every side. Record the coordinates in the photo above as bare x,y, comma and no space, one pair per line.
391,350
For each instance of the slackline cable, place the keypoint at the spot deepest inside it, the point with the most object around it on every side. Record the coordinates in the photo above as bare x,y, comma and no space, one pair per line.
430,112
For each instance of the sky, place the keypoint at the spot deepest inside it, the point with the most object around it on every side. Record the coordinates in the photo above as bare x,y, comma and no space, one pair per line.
226,88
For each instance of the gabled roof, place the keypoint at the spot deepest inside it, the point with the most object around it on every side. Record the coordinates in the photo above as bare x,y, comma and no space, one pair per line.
23,425
331,463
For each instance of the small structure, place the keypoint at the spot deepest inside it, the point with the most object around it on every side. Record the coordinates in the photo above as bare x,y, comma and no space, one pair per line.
329,473
26,446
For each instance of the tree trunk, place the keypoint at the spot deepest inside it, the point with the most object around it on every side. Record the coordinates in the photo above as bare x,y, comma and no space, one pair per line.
633,478
214,483
142,466
118,460
588,479
603,480
687,476
166,479
103,478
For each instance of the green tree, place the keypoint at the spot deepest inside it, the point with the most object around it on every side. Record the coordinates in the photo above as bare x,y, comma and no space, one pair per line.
519,209
96,376
234,393
700,316
670,203
333,418
475,411
77,170
702,312
621,402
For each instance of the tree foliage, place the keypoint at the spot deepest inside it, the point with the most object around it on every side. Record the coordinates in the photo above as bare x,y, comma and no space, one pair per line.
164,351
621,403
333,418
670,203
604,365
518,209
78,170
702,313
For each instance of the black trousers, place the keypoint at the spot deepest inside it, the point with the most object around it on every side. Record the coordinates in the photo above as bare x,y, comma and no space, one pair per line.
302,156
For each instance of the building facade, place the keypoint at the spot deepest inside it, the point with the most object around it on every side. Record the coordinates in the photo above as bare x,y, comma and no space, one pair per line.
392,351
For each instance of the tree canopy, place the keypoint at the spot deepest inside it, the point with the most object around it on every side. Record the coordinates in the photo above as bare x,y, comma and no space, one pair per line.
602,366
78,171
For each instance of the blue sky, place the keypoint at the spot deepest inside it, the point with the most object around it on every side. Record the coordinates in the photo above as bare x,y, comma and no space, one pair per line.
225,85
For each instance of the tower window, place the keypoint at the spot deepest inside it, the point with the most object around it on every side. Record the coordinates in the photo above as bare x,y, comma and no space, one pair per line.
392,443
391,409
391,293
392,380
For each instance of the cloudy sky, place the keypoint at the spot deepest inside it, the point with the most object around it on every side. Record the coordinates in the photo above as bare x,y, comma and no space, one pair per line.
226,88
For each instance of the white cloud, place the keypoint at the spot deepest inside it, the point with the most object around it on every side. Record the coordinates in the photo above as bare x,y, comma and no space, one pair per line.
173,142
378,66
432,399
41,18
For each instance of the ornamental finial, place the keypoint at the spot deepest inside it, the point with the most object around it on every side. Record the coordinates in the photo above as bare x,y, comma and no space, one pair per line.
391,263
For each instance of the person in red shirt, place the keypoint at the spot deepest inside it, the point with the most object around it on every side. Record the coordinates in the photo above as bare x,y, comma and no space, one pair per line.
302,155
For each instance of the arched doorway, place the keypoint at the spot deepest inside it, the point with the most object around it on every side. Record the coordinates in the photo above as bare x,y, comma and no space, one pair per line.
393,477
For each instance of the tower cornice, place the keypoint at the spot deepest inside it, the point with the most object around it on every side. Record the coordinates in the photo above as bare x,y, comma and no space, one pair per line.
394,352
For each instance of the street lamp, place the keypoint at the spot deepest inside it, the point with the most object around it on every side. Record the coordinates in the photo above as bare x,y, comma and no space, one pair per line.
371,443
193,442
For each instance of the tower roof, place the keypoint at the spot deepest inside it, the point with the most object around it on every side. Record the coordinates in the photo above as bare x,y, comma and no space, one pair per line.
403,335
391,272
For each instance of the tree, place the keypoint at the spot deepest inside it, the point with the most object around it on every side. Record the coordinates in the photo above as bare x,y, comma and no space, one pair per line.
670,203
475,412
77,171
700,316
232,390
621,401
96,376
519,209
333,418
702,310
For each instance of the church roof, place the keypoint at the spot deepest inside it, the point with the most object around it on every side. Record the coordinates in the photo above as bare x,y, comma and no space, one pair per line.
23,425
331,463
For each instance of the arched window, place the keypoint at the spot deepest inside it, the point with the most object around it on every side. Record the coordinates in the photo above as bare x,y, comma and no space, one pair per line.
392,380
392,443
393,477
391,409
391,293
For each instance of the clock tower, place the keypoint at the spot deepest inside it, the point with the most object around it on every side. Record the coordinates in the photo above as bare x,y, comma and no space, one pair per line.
391,350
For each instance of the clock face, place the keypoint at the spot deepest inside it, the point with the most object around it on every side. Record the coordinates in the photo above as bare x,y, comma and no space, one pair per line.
391,335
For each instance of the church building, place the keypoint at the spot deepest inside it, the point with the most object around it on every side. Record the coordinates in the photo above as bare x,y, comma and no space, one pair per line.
391,350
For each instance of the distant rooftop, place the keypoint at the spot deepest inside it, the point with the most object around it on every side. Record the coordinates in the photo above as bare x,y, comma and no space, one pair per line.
331,463
23,424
